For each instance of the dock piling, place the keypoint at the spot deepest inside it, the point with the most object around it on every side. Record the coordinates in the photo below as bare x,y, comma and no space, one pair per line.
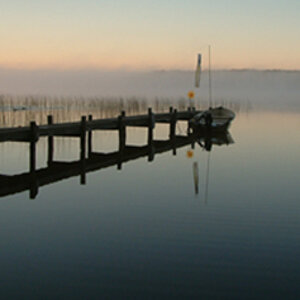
33,190
173,129
90,135
151,125
173,120
50,141
83,149
122,136
33,140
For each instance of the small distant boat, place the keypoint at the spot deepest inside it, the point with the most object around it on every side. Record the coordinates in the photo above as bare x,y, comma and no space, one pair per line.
216,119
17,108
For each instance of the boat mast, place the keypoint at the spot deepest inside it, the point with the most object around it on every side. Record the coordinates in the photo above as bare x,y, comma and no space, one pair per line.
209,77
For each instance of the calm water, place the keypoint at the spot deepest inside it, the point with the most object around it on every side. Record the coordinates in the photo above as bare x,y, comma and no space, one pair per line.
142,232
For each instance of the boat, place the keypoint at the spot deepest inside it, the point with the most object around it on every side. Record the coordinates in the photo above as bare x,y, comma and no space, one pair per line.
212,119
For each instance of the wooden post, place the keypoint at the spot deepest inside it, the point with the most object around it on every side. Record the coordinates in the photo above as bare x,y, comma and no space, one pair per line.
50,142
82,137
33,140
173,129
151,125
171,114
173,120
122,137
90,138
83,149
189,129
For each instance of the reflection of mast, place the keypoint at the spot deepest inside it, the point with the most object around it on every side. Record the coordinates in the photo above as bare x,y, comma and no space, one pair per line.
196,177
207,179
206,142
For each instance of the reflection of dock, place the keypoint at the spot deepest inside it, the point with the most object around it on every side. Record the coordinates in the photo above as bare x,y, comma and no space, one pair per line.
57,171
89,160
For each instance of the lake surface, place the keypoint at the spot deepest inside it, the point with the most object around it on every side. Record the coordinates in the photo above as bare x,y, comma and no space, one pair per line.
143,232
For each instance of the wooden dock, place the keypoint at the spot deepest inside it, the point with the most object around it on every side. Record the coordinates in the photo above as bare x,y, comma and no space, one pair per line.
76,129
89,160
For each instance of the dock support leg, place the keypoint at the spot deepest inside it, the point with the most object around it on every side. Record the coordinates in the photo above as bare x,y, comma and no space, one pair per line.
173,127
151,125
90,138
50,143
189,129
83,149
122,138
33,179
171,115
33,140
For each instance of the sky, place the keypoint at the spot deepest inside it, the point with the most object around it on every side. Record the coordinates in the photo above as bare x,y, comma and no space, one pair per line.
142,35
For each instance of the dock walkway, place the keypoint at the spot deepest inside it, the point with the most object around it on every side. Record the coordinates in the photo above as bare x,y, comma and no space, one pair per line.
89,160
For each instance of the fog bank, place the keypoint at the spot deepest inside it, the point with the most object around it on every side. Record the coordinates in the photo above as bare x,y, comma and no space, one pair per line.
262,88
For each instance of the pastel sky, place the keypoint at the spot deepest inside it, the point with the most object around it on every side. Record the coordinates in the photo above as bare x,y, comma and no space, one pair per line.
144,34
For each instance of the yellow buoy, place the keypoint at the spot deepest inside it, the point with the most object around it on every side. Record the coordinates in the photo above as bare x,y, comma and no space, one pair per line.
189,153
191,94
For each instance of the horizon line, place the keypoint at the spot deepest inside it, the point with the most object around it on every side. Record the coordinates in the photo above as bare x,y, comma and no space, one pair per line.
140,70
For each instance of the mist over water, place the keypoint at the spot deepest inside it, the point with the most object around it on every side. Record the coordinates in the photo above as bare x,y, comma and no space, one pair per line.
250,89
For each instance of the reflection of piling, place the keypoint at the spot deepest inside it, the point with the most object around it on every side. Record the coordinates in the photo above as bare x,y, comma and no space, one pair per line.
33,190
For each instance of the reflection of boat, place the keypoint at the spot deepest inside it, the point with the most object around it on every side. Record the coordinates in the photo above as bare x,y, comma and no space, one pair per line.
206,141
216,119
